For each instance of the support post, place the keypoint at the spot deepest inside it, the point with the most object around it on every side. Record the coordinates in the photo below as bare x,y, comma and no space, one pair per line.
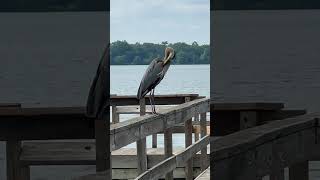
168,149
102,145
203,131
277,175
115,115
154,140
141,144
188,141
196,132
299,171
13,148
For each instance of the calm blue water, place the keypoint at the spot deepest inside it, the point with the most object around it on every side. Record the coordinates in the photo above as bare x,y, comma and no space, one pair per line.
179,79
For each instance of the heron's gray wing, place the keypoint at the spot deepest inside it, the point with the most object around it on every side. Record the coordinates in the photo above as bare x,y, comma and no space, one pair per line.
98,98
151,78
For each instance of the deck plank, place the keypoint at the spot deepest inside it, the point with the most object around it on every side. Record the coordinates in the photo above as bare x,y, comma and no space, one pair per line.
81,152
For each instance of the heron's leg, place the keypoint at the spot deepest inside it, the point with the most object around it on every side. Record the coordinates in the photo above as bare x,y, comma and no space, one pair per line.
154,104
150,99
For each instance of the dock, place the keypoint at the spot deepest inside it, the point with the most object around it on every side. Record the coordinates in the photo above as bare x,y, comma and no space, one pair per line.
65,136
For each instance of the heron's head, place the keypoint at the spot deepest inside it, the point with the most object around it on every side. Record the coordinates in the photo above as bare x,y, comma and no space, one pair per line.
168,55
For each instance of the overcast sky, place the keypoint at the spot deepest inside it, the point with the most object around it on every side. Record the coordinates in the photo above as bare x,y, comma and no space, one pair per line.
160,20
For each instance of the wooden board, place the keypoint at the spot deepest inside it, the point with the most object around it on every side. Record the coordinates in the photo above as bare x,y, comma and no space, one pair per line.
83,152
267,149
247,106
171,163
159,99
127,132
204,175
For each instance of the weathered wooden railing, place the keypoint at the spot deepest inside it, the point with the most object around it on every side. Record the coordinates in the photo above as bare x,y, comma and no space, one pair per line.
130,105
267,149
20,124
139,128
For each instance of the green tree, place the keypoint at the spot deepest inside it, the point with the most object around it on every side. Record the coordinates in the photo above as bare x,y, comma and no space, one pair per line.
123,53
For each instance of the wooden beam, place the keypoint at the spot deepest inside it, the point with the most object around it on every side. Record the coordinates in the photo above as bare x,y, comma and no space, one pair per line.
102,146
70,152
13,148
265,149
248,106
160,99
277,175
171,163
127,132
196,133
188,142
168,149
115,115
136,109
203,131
141,144
299,171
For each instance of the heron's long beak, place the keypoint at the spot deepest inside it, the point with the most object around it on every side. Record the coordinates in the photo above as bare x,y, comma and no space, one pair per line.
169,54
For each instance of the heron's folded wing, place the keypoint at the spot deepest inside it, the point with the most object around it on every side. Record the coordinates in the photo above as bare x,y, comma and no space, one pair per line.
151,78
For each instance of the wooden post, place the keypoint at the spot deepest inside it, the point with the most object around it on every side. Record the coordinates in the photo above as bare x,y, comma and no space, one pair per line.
25,172
13,148
115,115
168,149
196,133
203,130
154,140
102,145
299,171
141,144
277,175
188,141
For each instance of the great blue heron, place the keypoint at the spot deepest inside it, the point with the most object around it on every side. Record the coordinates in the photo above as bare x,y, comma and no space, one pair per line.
153,75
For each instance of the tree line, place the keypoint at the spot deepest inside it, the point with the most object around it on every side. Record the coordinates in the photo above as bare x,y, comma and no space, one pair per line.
123,53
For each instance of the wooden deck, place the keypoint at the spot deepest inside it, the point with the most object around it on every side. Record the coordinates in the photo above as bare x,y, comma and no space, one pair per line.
50,124
188,115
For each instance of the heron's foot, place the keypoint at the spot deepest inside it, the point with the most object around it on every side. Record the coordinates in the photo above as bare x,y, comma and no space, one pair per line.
154,112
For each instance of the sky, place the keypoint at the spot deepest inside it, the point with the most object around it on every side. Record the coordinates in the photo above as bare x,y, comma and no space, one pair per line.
156,21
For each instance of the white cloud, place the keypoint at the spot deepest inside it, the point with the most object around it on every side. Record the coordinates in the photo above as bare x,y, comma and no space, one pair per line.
152,20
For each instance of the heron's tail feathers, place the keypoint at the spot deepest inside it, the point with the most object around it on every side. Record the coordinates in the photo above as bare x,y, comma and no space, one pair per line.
141,93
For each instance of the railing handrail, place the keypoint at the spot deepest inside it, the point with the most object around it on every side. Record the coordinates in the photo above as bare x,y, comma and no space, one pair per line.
164,99
127,132
266,147
246,139
174,161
